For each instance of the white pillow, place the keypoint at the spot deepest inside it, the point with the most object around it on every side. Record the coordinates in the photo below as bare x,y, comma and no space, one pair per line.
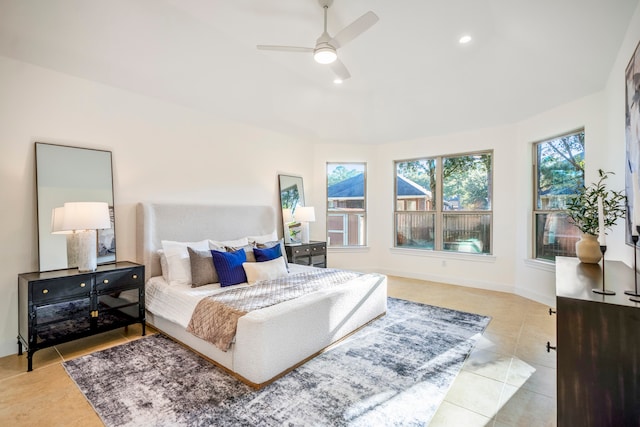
266,270
178,259
219,245
264,238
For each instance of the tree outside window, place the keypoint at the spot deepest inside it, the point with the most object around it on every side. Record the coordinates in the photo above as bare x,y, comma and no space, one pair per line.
444,203
559,166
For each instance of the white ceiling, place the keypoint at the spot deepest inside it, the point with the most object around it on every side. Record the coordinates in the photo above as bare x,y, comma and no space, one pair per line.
410,77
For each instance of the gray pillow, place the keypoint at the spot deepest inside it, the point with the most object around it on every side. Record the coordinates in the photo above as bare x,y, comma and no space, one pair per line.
272,244
248,250
202,270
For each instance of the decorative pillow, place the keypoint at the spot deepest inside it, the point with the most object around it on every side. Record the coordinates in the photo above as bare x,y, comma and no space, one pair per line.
164,266
202,270
247,248
273,243
267,254
267,270
220,244
264,238
229,267
178,259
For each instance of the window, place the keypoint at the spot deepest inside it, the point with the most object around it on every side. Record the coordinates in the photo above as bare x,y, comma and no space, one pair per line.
444,203
559,175
346,204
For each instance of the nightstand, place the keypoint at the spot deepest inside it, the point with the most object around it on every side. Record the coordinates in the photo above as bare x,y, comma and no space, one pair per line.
313,253
64,305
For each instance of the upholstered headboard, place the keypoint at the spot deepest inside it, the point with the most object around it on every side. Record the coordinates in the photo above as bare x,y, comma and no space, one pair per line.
187,223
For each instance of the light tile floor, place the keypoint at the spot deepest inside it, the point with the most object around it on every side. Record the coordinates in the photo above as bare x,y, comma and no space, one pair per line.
508,380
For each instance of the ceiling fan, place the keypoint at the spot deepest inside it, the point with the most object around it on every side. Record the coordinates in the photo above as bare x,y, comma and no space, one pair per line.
325,50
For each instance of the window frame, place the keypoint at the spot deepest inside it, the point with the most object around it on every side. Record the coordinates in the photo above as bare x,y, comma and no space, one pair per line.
535,211
437,205
363,213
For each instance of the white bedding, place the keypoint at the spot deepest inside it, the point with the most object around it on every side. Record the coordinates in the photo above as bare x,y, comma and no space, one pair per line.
269,341
177,302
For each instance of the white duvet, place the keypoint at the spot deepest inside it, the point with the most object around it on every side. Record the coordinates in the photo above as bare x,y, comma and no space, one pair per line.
177,302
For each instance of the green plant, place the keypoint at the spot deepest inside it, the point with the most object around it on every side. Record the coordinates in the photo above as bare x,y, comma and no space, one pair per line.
583,208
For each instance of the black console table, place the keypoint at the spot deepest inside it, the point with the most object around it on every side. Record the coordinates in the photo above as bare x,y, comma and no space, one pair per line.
64,305
598,363
313,253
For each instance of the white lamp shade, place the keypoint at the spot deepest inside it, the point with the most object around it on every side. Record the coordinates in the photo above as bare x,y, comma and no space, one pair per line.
287,215
86,216
305,214
57,219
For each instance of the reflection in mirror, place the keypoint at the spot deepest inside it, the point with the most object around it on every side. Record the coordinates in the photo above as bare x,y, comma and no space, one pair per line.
291,197
71,174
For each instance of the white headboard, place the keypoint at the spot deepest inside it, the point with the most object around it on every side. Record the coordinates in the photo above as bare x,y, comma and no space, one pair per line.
187,223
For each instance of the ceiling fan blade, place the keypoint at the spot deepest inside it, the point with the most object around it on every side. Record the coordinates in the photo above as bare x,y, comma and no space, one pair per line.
354,29
340,70
285,48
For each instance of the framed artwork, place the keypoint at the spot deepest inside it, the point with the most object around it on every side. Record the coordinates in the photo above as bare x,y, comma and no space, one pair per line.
632,136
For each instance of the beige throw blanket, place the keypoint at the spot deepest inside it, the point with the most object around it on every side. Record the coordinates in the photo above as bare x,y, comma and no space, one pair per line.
215,318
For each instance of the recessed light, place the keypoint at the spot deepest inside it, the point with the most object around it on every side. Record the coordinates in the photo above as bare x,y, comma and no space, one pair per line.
464,39
337,81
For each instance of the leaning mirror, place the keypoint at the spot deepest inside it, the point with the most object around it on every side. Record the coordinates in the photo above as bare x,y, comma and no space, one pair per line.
71,174
291,197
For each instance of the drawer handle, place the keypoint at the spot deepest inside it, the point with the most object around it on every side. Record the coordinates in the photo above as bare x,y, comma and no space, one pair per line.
82,285
105,281
315,249
45,291
135,276
551,311
549,347
307,250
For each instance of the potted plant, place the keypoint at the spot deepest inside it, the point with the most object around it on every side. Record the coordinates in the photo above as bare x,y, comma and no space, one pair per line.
583,212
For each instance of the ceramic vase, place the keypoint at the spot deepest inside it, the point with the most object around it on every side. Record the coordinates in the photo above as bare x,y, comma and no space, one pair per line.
588,249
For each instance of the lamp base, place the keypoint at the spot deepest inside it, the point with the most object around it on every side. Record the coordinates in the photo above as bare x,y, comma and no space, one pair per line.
305,232
87,250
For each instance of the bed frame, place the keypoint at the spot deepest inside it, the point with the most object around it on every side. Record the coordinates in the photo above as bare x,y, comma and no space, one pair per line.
271,341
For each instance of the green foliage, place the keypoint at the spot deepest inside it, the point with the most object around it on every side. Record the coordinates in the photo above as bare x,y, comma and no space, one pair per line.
561,165
341,173
583,208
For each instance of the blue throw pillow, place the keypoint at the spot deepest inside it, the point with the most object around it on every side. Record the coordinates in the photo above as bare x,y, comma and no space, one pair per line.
229,267
267,254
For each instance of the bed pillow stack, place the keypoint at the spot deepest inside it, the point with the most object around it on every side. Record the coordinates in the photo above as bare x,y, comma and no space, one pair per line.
212,261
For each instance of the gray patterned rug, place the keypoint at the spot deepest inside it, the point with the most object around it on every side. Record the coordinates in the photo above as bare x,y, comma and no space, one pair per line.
395,371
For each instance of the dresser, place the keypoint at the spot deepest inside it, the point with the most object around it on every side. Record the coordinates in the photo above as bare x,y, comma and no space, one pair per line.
313,253
598,345
63,305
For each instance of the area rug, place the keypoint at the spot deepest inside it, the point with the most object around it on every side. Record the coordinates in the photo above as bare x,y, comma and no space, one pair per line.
395,371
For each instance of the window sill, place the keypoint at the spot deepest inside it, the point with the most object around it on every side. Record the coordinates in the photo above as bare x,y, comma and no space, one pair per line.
540,265
443,254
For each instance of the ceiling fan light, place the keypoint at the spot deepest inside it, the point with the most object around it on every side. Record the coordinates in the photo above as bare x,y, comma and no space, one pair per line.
325,55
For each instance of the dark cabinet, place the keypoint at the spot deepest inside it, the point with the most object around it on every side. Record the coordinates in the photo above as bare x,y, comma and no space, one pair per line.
63,305
312,253
598,346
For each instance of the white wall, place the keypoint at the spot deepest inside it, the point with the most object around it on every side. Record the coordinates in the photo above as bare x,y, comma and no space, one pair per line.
161,152
510,268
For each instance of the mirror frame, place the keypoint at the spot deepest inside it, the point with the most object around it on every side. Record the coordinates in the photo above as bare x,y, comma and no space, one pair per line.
55,161
287,183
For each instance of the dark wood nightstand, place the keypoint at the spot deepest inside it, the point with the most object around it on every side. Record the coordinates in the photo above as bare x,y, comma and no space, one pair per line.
64,305
313,253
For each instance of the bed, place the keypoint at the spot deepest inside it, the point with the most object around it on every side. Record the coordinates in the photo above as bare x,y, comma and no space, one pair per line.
269,341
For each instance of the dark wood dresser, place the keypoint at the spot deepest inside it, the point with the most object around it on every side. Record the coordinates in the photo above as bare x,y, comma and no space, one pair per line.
598,363
63,305
313,253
